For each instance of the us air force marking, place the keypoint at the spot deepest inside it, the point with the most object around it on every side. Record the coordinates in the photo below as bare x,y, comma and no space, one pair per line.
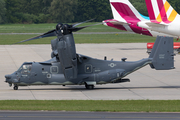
112,65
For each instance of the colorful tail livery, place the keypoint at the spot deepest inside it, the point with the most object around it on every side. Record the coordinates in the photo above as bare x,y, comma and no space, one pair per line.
163,18
127,18
161,11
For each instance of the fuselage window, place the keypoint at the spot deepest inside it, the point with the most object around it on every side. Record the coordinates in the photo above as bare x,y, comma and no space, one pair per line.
88,68
54,69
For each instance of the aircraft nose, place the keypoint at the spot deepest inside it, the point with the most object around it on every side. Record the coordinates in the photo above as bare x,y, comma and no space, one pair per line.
8,76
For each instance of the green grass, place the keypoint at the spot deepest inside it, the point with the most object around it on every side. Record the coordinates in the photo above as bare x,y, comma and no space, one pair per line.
11,39
113,38
93,105
42,28
26,28
103,38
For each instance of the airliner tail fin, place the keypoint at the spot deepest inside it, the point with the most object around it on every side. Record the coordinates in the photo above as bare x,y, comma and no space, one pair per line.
123,9
161,11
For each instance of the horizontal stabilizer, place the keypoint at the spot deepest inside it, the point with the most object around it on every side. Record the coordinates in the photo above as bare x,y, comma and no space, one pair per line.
116,23
151,24
162,54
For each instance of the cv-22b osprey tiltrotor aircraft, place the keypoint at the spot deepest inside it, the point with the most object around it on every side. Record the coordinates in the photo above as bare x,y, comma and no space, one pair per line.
69,68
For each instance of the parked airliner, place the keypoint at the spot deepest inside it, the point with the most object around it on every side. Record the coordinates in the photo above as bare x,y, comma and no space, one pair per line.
163,20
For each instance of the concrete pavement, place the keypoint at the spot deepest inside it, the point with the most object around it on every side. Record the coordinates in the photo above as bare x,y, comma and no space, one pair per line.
146,83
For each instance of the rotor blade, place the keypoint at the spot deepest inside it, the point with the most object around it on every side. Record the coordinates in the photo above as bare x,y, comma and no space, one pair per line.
83,22
48,34
75,29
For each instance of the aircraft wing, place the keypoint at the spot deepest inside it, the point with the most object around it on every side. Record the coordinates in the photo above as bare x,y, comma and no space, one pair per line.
118,23
115,22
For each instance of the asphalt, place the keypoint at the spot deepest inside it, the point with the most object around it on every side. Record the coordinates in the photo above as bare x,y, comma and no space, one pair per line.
146,83
46,115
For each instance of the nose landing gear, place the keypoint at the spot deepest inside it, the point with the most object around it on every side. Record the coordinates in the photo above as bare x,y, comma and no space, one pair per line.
15,87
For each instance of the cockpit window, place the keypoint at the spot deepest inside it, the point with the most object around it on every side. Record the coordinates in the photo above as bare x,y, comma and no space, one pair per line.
25,69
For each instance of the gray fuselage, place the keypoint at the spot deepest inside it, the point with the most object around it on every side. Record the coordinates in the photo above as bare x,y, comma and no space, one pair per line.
90,71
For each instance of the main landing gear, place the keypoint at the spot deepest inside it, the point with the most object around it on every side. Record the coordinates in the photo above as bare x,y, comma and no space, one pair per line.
89,86
15,87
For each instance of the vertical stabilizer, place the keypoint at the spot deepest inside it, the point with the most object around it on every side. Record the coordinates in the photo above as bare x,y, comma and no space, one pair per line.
126,17
161,11
162,54
123,9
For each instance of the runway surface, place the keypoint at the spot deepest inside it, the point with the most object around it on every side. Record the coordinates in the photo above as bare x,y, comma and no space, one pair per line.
12,115
146,83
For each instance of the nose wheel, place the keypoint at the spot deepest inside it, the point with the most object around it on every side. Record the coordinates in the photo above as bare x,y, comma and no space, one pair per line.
15,87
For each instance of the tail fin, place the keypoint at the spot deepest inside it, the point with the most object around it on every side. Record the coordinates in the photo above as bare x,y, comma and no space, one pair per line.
160,11
162,54
123,11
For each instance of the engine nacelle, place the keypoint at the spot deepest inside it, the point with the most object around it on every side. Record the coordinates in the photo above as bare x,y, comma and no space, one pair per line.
67,56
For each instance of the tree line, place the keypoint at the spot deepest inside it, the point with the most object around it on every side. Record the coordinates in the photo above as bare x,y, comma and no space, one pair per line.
54,11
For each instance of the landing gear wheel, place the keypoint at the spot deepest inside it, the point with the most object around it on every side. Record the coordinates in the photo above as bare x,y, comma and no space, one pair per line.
15,87
89,87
